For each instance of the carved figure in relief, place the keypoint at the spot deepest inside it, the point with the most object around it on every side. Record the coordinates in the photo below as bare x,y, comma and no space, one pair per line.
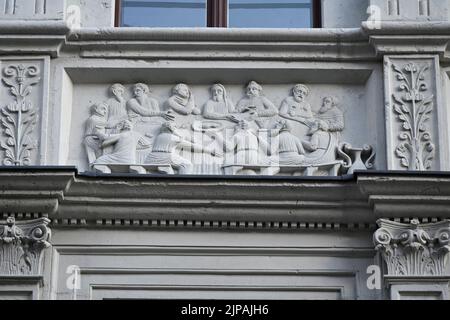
164,151
182,100
290,148
322,146
95,131
295,107
257,105
219,107
246,144
144,106
331,114
124,145
117,109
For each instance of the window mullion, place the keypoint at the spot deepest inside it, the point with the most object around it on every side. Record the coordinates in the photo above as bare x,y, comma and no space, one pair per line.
118,13
217,11
317,13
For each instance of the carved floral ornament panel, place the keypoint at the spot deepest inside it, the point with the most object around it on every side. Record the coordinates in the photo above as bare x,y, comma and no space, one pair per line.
219,136
412,100
18,118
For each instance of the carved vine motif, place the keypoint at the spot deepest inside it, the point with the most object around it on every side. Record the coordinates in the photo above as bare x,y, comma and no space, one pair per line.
19,117
413,107
413,249
21,245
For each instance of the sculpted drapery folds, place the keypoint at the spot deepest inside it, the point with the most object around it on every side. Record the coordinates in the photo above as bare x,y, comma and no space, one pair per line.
95,131
117,109
182,100
252,137
142,105
257,106
219,107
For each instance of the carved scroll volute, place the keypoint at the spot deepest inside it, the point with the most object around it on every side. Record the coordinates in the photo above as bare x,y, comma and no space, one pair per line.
413,249
19,118
21,246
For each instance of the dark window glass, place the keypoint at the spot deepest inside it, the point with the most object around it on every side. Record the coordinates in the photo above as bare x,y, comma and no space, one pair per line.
147,13
270,14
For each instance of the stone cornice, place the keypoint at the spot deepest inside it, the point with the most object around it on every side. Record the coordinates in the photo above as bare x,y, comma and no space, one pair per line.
405,37
346,44
396,194
230,44
33,190
217,34
32,37
74,200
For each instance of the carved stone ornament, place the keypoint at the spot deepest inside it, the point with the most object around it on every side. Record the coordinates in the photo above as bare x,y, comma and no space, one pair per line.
19,118
21,245
413,105
413,249
252,137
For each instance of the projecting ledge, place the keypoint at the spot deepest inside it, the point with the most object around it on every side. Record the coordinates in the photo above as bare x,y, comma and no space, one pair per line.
358,199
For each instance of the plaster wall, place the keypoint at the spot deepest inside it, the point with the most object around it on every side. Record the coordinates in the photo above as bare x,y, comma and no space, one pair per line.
344,13
232,265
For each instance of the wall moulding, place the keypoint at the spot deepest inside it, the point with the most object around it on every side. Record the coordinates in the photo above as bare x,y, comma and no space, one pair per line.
214,44
414,114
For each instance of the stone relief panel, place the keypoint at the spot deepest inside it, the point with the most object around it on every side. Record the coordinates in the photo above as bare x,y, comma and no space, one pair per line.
413,249
20,107
134,128
21,246
412,113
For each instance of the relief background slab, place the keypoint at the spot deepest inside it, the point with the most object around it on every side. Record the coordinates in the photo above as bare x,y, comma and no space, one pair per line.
358,88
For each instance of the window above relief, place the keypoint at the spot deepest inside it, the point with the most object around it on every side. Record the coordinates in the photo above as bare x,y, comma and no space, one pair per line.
219,13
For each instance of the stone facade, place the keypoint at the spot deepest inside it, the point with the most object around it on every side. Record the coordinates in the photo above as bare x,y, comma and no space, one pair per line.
225,163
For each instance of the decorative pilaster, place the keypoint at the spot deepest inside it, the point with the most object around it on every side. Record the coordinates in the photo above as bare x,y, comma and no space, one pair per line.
416,256
21,246
412,94
19,117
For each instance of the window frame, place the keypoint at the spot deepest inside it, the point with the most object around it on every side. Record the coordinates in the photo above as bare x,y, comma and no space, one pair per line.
217,13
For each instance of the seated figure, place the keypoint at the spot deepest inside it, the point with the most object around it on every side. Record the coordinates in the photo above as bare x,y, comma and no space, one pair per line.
182,100
219,107
322,146
290,148
144,106
124,145
95,131
117,110
259,107
246,145
332,115
295,107
164,149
